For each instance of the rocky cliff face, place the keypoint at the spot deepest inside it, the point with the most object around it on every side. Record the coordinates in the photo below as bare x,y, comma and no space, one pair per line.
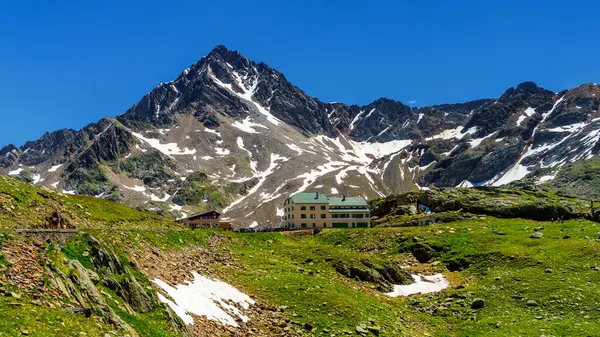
246,139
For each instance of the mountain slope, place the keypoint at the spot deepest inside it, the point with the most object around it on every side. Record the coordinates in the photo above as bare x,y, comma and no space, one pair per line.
246,138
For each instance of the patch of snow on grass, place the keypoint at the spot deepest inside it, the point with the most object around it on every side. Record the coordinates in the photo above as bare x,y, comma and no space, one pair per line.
216,300
423,285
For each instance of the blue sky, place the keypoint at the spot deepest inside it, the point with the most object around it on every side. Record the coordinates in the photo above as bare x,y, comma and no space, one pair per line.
64,64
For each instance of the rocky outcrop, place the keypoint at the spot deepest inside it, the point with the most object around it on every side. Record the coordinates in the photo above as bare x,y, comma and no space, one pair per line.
79,286
87,287
499,202
103,258
384,274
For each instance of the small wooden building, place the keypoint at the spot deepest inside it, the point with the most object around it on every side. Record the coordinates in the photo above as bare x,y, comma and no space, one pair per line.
226,225
209,219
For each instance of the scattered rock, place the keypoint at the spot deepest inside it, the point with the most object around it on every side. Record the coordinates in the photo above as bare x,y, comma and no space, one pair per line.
478,303
362,329
532,303
548,270
536,235
374,329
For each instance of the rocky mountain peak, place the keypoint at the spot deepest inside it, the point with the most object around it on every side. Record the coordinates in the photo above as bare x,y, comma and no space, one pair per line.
235,135
524,89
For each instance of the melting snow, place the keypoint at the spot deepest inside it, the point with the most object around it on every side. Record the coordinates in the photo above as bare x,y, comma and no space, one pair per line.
247,94
420,117
546,178
15,172
280,212
423,285
477,141
254,224
36,178
136,188
453,133
216,300
168,149
334,190
568,128
54,168
163,199
247,125
222,151
212,131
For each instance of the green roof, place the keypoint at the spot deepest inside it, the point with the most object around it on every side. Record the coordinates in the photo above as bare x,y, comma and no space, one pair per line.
309,198
348,201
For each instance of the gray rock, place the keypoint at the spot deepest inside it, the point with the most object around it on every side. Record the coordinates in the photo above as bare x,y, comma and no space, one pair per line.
536,235
532,303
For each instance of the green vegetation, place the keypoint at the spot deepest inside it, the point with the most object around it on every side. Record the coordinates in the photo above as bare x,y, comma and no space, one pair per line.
494,259
197,188
528,277
579,179
152,167
24,205
41,321
495,201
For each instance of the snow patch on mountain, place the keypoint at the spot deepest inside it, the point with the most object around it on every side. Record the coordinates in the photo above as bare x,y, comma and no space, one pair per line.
168,149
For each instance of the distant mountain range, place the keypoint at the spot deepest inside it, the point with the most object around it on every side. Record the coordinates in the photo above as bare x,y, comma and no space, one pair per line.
235,135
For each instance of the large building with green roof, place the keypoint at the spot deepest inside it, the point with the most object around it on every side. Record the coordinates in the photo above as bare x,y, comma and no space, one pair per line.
316,210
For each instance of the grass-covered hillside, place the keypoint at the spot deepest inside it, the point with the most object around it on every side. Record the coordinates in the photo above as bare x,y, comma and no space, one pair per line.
25,205
508,276
579,178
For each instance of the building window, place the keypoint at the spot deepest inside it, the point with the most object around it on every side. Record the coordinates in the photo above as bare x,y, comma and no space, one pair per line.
312,216
303,208
323,208
323,216
335,216
303,225
302,216
292,216
312,208
314,225
324,224
292,208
